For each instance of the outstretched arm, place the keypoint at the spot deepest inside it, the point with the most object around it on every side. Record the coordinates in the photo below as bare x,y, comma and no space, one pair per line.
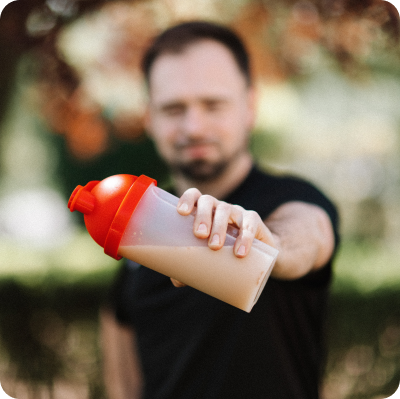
301,232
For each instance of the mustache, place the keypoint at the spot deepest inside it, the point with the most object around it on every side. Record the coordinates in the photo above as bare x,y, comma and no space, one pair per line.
195,142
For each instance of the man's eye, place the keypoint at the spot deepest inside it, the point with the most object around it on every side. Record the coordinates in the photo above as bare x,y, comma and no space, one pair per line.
214,106
174,110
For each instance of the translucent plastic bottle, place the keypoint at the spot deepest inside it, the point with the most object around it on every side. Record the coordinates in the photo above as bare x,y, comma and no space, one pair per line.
133,218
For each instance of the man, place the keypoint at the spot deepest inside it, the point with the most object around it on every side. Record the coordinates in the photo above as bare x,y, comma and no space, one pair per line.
163,342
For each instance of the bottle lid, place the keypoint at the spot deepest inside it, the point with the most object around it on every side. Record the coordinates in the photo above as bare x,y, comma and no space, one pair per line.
108,205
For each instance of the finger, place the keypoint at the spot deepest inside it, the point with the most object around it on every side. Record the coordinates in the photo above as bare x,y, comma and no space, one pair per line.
204,216
177,283
187,201
250,224
222,216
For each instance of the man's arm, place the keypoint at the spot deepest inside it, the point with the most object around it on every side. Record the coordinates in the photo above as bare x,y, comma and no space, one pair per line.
302,232
121,369
304,236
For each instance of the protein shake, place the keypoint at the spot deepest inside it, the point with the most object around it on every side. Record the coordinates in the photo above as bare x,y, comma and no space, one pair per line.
133,218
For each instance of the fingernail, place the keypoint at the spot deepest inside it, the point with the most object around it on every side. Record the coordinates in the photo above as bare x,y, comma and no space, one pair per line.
215,239
184,207
241,250
202,228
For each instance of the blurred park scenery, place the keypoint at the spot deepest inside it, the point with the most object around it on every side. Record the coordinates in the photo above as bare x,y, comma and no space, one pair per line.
71,107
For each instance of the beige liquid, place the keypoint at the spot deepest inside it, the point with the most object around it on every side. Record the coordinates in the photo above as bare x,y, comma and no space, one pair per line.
220,274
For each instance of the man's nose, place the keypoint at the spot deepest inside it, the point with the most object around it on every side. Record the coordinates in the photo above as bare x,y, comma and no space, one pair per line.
194,122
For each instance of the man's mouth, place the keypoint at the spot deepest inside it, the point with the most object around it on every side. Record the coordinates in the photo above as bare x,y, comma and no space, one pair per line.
197,150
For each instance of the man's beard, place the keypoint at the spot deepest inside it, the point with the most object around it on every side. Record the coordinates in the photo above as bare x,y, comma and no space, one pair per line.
201,170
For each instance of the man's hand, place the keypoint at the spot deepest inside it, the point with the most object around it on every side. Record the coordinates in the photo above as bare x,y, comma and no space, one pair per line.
301,232
212,218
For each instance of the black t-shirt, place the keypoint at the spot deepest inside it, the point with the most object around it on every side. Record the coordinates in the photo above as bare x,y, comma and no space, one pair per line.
194,346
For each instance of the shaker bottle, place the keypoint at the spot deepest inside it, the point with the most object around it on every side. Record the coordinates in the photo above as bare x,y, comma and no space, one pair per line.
131,217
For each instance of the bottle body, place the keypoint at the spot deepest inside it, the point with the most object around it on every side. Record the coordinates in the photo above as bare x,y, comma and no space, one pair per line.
158,237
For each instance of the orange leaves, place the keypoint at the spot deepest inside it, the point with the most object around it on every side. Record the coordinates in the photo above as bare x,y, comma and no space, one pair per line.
84,130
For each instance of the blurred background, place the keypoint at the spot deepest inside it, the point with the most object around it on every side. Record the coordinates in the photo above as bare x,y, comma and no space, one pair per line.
71,109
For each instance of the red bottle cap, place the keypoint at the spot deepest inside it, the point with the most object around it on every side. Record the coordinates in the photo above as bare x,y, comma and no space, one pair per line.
108,206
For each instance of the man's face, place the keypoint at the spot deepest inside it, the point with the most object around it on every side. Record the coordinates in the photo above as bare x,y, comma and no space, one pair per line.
200,111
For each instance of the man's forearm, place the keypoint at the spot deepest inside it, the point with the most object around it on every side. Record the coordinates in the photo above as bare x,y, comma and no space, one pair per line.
304,236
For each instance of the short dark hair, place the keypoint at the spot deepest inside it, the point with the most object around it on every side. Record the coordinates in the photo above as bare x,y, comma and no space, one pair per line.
177,38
